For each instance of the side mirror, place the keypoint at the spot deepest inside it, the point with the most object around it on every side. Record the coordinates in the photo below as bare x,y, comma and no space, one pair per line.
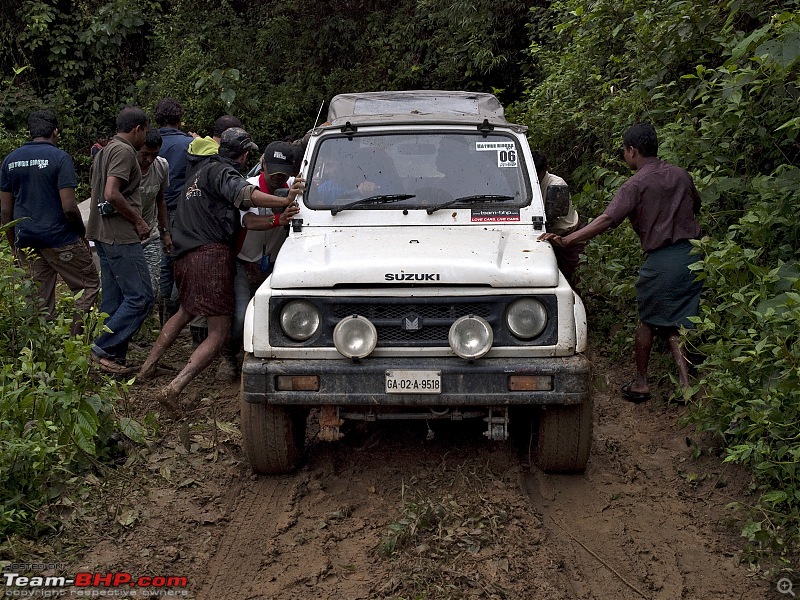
556,204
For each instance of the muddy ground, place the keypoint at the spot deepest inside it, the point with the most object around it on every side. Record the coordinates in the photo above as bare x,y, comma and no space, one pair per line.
403,511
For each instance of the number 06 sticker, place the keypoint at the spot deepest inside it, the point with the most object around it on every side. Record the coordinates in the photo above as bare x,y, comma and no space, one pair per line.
506,158
506,152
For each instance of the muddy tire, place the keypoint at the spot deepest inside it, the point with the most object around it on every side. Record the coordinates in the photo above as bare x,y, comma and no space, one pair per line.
274,437
564,438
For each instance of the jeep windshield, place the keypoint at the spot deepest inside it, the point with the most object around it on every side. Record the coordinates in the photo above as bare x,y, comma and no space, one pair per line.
401,171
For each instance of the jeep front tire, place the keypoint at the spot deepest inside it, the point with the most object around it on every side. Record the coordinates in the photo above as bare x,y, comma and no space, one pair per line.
274,437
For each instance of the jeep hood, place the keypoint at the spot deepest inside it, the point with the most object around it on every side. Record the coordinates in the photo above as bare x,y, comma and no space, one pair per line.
405,256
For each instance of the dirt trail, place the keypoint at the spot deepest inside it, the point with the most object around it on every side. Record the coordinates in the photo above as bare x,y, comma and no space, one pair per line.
390,513
632,526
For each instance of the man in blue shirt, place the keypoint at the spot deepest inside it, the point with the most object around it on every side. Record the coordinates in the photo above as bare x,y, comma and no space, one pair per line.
37,185
174,147
168,116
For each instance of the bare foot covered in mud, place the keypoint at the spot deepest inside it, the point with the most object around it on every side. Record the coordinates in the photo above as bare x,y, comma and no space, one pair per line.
168,398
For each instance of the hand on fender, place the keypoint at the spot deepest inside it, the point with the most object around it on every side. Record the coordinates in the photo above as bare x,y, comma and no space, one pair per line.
288,213
297,188
553,238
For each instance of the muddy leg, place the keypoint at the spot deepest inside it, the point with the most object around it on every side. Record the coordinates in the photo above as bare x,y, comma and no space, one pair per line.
643,344
204,354
679,356
169,333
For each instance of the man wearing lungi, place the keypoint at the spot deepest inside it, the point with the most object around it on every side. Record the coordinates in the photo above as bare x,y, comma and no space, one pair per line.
206,224
661,202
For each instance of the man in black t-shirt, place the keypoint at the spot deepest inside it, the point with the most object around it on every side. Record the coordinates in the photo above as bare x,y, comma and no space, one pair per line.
205,227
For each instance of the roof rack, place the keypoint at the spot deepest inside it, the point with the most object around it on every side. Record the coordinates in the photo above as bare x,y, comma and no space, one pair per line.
413,105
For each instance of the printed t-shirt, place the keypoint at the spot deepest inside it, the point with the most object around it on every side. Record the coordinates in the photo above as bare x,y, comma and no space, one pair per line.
209,211
33,174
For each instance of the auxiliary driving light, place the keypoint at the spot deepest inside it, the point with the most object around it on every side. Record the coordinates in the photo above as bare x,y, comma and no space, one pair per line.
526,318
355,337
300,320
470,337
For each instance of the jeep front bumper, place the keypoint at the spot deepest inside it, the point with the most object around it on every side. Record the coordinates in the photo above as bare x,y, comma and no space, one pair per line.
482,383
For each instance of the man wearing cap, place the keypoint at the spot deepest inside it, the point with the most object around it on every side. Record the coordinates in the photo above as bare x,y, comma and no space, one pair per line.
261,237
196,149
206,223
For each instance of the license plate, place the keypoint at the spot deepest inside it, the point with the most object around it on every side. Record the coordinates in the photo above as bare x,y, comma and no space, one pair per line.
413,382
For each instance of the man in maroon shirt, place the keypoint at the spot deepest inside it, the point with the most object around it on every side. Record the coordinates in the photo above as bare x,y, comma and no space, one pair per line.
661,202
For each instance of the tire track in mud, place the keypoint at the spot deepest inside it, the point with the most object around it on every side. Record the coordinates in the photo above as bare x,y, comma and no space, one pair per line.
631,528
318,533
644,521
265,507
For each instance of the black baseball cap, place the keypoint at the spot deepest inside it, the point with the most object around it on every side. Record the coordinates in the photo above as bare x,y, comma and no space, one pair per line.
279,157
235,141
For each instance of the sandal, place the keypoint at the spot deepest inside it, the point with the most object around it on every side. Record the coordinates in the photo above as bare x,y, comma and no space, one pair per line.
106,365
631,396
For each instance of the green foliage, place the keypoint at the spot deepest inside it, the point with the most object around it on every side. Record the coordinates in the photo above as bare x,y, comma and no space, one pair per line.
288,58
82,60
751,341
272,65
742,145
720,82
55,418
611,297
10,141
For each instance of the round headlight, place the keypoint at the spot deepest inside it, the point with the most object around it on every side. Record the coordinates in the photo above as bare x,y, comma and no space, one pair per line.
526,318
299,320
470,337
355,337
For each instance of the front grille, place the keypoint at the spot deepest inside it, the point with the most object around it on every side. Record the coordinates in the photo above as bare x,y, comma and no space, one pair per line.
389,336
412,322
398,310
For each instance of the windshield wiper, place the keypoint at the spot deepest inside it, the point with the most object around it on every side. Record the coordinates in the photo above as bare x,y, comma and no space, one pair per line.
382,199
470,199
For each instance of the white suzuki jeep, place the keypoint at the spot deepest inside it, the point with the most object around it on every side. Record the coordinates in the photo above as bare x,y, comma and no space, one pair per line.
412,287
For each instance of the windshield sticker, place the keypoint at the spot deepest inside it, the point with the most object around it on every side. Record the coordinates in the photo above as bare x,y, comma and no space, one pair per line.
507,158
489,146
506,152
494,215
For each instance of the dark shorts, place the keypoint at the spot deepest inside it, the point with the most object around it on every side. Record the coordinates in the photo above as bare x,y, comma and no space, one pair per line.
205,280
666,291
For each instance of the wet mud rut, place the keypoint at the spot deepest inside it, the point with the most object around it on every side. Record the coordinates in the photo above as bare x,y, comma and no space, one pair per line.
388,512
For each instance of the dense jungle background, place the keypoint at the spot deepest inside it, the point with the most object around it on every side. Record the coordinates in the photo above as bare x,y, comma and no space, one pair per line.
719,79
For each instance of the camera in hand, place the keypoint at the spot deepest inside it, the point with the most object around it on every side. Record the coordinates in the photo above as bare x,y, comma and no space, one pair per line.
106,208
